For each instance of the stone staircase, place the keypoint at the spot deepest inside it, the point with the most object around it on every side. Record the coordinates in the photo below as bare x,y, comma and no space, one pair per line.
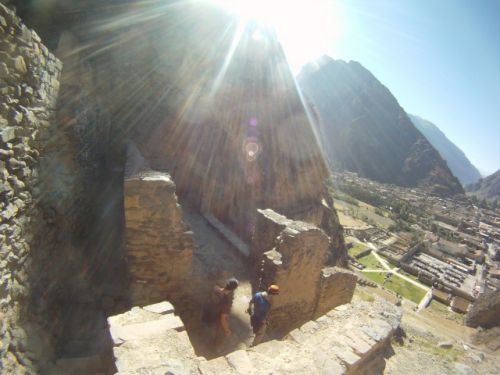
350,339
151,340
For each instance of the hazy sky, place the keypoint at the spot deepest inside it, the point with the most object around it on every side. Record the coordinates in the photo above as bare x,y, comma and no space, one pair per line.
440,59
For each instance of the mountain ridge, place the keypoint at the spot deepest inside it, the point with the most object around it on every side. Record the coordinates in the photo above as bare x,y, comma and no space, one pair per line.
364,129
456,159
486,188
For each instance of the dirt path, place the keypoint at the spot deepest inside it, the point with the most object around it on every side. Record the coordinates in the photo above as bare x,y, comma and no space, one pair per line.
214,261
394,271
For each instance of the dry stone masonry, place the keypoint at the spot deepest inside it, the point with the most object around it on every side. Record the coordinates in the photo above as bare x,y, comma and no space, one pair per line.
295,261
28,90
159,244
336,287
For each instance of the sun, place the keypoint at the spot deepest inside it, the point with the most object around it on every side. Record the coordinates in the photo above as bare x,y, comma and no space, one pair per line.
306,29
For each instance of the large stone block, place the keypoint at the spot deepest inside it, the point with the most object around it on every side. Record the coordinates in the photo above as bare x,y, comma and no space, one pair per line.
337,287
268,226
485,312
295,265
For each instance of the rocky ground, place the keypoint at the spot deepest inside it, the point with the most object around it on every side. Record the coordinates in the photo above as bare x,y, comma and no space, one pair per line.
436,342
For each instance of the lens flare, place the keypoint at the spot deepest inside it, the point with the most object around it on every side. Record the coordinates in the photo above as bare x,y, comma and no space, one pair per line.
306,29
251,149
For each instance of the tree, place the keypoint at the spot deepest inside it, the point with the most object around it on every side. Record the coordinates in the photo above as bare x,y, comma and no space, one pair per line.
434,228
494,204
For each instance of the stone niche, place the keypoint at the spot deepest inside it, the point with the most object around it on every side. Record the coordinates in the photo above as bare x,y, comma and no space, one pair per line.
295,260
159,246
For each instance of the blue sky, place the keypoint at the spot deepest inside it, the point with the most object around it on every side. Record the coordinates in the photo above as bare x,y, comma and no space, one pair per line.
440,59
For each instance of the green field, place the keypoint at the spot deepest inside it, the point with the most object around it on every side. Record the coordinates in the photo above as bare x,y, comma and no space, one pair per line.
356,249
398,285
364,212
369,261
415,278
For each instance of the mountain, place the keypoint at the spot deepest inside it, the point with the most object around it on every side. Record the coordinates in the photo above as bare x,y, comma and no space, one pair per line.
457,161
362,128
487,188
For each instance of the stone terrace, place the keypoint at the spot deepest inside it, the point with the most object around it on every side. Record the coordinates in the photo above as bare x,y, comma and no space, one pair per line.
350,339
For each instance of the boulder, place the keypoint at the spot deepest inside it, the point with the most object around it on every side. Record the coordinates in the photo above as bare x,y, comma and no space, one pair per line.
485,312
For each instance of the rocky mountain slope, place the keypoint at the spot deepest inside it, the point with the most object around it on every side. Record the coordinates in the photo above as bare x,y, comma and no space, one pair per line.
457,161
364,129
487,188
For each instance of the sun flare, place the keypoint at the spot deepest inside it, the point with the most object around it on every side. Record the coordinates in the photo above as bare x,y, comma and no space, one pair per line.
306,29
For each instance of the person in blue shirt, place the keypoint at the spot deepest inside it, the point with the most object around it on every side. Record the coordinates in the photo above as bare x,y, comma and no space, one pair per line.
258,309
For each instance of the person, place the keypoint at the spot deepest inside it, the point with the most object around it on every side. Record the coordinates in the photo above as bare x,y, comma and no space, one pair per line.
258,308
218,309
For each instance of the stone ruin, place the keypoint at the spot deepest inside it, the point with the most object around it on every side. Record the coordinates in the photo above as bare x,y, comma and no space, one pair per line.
296,260
158,244
105,149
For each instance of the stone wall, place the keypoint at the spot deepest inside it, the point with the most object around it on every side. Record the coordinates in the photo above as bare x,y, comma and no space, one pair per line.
295,265
336,288
28,89
296,262
323,215
269,225
159,246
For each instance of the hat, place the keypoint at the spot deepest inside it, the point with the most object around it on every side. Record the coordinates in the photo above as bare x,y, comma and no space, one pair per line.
273,289
231,283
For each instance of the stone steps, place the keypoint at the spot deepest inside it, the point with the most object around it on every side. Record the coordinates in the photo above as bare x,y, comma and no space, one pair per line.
151,340
350,339
146,330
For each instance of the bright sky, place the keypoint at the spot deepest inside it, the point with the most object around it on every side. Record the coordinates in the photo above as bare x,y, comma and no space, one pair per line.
440,58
